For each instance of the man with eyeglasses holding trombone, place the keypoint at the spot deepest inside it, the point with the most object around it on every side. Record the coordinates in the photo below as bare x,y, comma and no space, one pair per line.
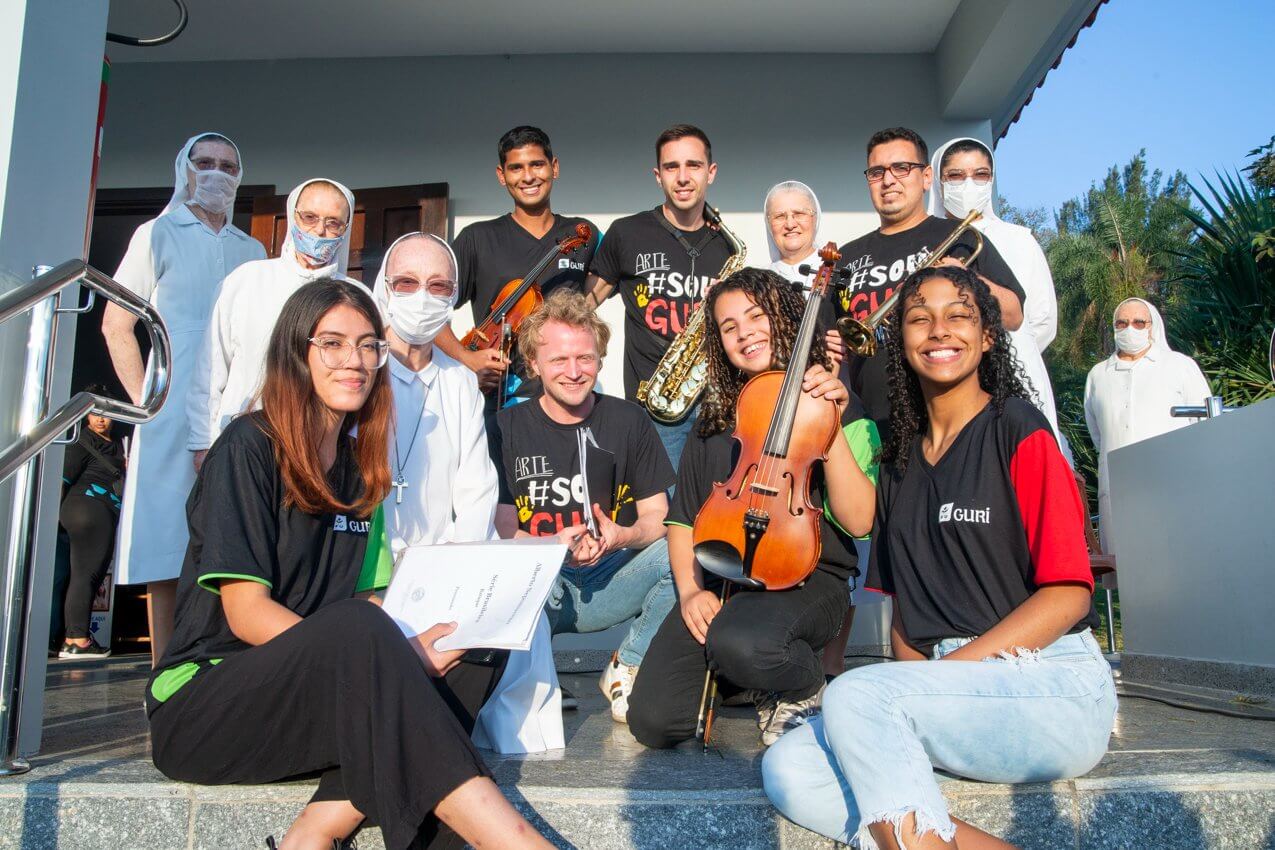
231,364
876,263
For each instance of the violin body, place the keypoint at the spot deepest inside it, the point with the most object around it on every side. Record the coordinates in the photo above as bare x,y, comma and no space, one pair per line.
759,528
489,334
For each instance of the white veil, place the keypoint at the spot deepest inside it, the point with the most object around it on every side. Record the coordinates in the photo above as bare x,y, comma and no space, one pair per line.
181,196
381,287
789,270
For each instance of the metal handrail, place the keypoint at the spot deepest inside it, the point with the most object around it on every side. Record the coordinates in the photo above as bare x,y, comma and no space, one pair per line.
78,406
39,430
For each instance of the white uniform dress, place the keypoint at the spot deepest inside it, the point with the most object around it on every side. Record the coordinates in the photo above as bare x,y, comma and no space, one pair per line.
232,361
1129,400
176,262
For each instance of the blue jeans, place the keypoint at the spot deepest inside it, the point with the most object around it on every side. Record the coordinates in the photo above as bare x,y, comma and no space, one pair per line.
871,756
629,584
674,436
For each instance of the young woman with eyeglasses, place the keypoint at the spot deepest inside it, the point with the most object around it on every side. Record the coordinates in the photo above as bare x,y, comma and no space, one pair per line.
276,670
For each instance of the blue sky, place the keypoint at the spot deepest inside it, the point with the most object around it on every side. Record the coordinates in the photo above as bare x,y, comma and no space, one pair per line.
1190,81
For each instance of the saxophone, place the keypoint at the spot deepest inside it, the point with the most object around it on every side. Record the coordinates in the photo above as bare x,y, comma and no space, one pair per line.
678,379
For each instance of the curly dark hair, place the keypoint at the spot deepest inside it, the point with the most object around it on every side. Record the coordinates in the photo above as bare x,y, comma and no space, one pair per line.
999,372
784,306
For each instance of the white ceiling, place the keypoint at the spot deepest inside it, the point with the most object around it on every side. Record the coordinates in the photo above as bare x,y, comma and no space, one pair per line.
288,29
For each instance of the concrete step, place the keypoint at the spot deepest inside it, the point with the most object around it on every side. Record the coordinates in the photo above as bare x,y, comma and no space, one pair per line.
1173,779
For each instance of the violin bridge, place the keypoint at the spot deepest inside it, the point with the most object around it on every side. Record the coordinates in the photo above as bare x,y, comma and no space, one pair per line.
763,489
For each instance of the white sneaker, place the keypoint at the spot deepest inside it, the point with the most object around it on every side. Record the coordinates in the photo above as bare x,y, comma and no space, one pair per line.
616,684
786,715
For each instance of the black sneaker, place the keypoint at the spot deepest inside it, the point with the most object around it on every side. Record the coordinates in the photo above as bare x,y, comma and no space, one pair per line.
74,650
569,700
348,844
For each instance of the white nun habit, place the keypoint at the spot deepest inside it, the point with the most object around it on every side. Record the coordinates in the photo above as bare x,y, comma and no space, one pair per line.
1026,260
233,358
777,264
1129,400
176,262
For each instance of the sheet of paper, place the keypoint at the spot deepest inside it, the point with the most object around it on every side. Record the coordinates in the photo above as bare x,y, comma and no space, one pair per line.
493,591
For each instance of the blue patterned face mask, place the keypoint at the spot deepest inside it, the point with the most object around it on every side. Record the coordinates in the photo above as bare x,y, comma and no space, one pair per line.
320,249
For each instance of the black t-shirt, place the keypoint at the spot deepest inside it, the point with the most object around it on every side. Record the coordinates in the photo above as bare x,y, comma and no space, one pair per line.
964,542
239,529
881,263
85,474
492,253
710,460
660,283
540,464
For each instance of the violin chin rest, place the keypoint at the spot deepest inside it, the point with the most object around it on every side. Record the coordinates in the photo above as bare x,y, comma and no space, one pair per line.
723,559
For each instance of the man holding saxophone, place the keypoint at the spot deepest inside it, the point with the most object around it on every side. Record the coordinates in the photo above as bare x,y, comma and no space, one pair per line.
662,261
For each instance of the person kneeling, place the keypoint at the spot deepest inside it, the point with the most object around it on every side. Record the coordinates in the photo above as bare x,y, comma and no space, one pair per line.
764,641
980,540
276,670
573,458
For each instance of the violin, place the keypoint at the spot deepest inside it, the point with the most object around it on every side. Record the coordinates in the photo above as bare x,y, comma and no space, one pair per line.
519,298
759,528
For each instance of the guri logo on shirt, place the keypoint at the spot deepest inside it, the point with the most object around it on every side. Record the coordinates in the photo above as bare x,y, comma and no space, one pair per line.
353,526
949,512
564,263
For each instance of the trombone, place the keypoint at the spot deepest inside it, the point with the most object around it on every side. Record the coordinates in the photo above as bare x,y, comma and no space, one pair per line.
861,336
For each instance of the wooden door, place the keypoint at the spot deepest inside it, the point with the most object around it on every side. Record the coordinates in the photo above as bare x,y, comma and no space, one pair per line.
381,215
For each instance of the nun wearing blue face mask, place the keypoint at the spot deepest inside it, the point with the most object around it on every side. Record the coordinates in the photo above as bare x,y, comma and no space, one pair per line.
232,362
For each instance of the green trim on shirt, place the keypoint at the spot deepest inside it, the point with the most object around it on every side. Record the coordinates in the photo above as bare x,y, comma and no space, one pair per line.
204,581
679,524
174,679
865,444
378,561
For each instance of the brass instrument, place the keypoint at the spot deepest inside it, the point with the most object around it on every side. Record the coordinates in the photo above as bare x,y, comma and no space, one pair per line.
860,336
679,377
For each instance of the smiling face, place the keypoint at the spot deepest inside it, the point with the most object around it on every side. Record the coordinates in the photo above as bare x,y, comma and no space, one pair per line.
944,338
528,174
567,363
790,215
898,198
684,172
344,388
744,329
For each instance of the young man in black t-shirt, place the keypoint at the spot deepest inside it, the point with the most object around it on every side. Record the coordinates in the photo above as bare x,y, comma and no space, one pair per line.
590,470
492,253
898,177
662,262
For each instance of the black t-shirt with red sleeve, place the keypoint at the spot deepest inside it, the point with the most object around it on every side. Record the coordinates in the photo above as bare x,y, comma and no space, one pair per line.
964,542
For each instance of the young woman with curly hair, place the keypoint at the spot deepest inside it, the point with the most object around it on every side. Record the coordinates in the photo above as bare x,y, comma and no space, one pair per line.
767,642
980,540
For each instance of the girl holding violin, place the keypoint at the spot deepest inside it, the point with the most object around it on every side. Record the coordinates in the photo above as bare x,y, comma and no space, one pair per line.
759,640
980,540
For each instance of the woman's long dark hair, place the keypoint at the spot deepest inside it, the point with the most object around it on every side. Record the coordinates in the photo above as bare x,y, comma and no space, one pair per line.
999,372
295,416
784,306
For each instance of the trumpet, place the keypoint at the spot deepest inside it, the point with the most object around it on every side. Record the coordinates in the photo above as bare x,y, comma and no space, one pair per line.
861,336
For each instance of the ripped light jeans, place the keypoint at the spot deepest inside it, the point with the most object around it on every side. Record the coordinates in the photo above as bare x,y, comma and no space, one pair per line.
885,728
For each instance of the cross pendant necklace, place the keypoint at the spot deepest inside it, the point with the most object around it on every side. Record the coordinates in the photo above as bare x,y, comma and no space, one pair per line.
400,484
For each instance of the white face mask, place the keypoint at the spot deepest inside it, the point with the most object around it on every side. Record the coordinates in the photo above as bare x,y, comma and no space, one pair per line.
418,318
1130,340
215,190
961,199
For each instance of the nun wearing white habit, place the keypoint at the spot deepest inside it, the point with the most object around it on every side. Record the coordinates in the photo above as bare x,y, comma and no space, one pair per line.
176,262
1026,260
793,217
232,360
445,485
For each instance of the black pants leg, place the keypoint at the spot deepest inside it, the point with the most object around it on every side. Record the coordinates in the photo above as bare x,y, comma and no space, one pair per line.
768,640
90,525
342,688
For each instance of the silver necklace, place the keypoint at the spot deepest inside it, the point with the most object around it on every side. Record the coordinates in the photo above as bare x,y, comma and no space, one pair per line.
400,484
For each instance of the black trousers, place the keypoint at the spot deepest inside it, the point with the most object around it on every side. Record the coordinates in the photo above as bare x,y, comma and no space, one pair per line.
90,526
769,640
342,694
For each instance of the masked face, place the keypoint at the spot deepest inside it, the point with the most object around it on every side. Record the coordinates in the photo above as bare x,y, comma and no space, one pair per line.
421,286
1133,327
213,175
967,183
321,217
215,191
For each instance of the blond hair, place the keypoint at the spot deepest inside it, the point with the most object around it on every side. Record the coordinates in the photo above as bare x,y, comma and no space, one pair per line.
571,309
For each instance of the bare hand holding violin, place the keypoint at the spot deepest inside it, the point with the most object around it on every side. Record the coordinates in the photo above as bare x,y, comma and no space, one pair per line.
820,383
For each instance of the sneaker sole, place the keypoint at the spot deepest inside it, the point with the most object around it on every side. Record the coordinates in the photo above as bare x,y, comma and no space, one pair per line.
73,655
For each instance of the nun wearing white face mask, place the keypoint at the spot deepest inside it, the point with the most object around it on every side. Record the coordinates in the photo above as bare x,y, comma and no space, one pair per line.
176,262
964,171
1128,395
233,358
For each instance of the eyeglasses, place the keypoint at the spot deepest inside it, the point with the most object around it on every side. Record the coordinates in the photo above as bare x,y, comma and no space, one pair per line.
982,176
311,221
799,216
208,163
407,285
335,352
898,169
1139,324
